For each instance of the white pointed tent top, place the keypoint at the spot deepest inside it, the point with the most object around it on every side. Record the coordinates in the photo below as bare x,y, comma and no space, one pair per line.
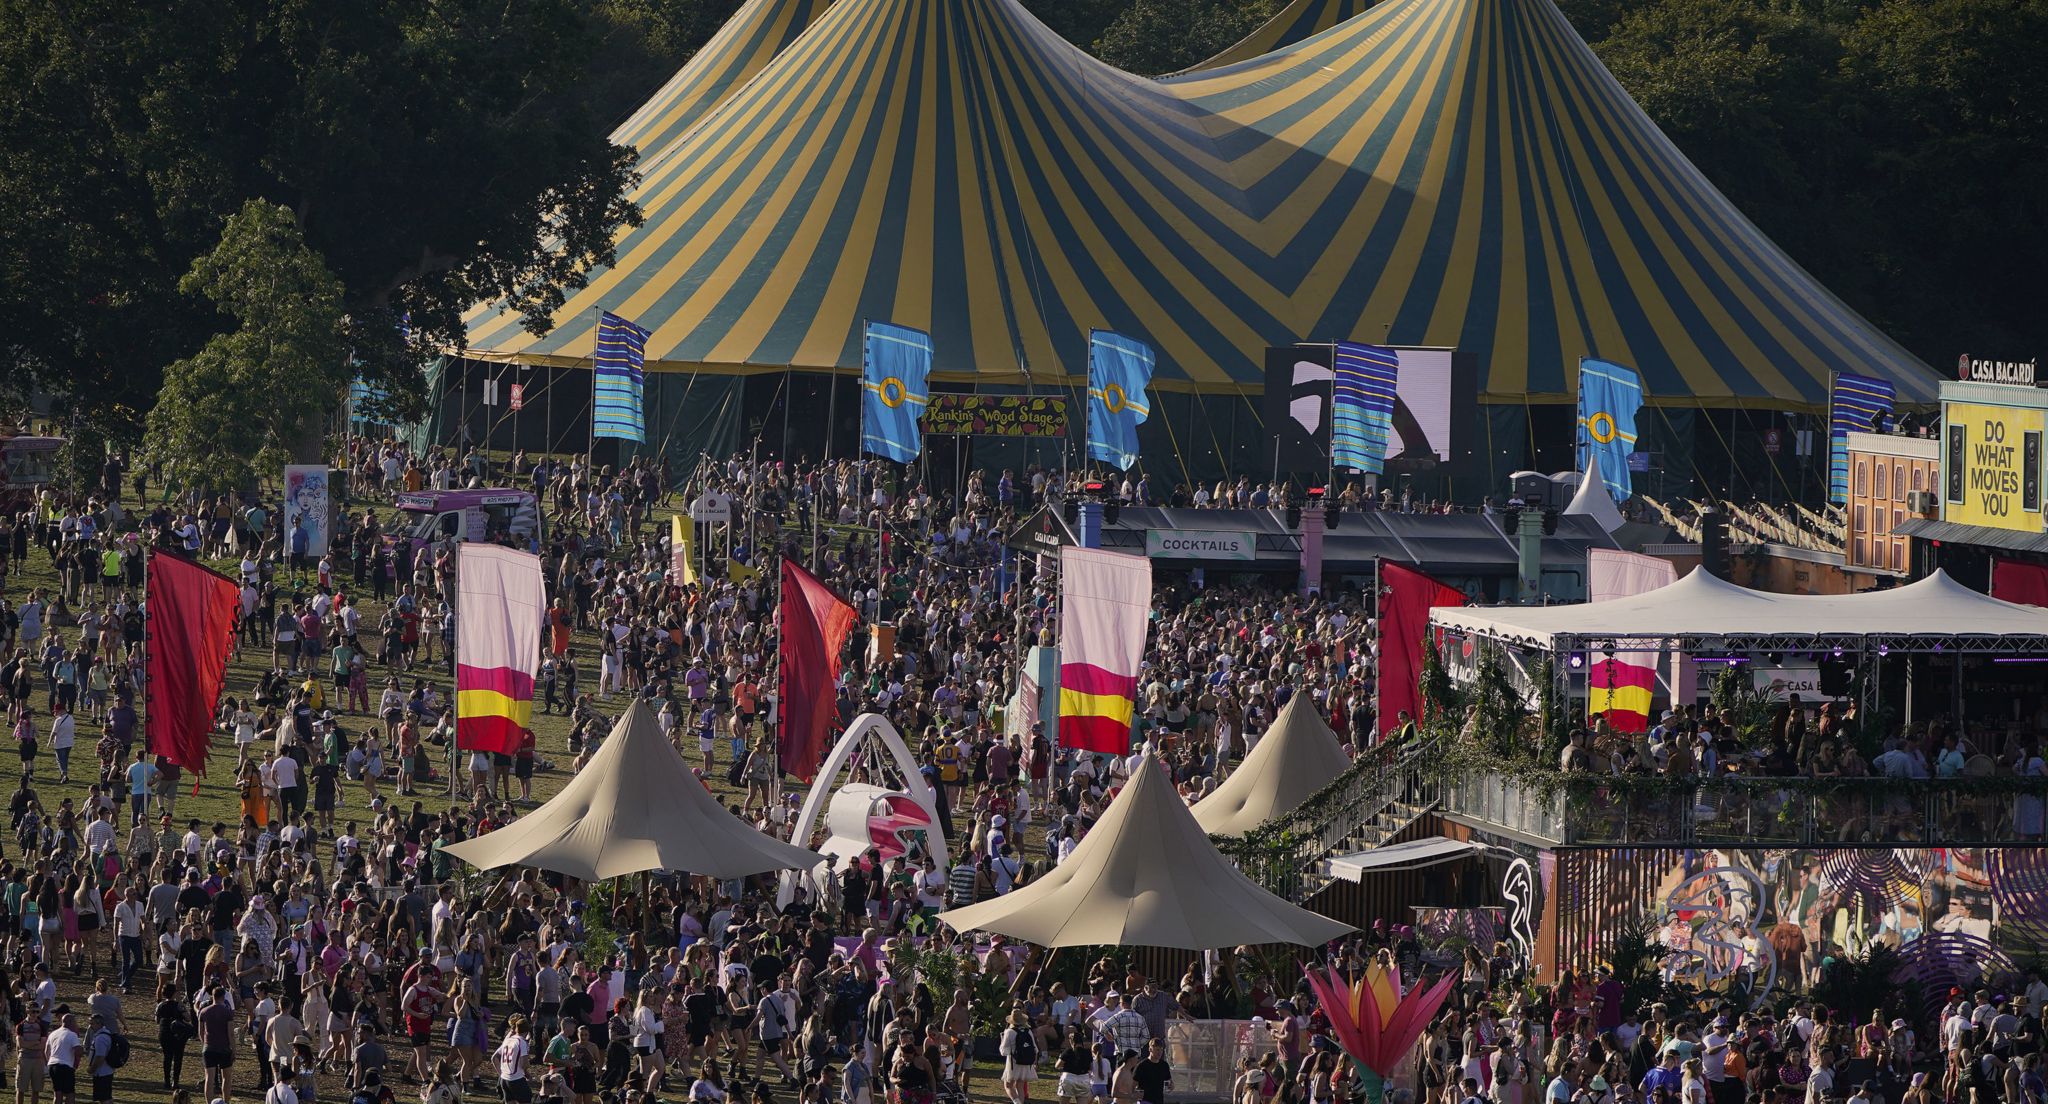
1146,875
1593,499
1701,605
1295,758
635,806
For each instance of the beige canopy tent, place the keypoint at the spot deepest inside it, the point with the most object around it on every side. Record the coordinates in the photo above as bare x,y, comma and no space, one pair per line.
635,806
1146,875
1296,757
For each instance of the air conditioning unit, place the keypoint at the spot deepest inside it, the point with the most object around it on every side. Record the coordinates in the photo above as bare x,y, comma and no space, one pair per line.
1920,502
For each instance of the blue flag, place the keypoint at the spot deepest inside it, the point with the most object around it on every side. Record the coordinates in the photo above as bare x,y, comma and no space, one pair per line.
621,353
1362,406
1609,397
894,365
1119,370
1854,405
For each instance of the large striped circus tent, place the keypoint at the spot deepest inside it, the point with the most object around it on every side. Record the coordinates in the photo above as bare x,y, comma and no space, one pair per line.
755,34
1429,172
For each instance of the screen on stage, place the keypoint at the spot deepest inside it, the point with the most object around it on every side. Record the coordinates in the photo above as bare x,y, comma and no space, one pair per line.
1297,406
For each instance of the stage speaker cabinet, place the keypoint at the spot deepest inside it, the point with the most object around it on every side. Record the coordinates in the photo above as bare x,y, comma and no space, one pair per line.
1534,489
1835,675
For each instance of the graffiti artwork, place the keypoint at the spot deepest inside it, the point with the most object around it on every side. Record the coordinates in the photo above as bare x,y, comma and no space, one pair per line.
1726,916
1711,935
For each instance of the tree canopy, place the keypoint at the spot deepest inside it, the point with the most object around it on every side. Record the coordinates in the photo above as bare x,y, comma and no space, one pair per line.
432,155
241,404
435,156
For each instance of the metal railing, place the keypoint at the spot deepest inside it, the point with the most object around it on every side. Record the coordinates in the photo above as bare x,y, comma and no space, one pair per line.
1501,803
1286,856
1755,812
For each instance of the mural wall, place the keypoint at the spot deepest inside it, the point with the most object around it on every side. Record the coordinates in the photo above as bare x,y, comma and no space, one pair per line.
1728,913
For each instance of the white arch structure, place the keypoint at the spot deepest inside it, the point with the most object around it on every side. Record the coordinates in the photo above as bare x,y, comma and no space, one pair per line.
822,785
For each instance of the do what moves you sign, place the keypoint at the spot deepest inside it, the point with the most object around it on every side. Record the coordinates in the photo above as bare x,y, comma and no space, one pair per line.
1991,462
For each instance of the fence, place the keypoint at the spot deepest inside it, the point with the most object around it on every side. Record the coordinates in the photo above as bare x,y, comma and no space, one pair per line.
1756,812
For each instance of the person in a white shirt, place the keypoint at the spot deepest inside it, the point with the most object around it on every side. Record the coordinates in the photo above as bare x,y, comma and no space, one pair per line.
647,1032
100,835
1006,867
1820,1084
511,1057
61,1052
63,733
1714,1056
129,917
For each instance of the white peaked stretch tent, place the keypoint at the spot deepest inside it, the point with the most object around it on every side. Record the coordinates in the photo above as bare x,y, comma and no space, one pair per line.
1296,757
1592,500
1935,610
1146,875
635,806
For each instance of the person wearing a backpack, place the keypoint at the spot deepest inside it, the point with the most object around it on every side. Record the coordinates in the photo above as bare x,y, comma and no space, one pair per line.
109,1052
1020,1058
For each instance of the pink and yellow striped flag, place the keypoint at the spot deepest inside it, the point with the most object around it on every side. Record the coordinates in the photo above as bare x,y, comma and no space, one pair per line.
1623,684
1105,603
500,601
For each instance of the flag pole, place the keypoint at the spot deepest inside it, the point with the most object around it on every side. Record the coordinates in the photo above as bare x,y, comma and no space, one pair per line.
781,711
825,465
590,443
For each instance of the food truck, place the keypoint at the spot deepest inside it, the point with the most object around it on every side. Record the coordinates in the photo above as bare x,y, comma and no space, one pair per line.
499,515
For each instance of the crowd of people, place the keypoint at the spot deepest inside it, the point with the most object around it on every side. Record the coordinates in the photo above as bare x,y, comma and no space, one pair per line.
323,945
1820,741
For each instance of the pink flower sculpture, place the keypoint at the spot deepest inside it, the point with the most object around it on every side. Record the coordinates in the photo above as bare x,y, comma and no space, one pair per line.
1374,1021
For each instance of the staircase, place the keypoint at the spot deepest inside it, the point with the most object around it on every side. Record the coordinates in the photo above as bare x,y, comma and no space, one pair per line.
1388,821
1362,808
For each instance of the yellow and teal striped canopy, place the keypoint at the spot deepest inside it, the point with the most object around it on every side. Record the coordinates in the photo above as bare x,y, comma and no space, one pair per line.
1431,172
1292,23
757,32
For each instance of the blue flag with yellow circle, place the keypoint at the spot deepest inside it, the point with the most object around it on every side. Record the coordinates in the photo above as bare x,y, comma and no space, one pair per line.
894,365
1609,397
1119,369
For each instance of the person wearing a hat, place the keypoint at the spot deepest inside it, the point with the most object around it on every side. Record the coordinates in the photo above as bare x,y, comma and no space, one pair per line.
1713,1059
1900,1044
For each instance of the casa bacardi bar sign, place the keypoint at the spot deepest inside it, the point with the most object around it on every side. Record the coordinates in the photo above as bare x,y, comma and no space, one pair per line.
2016,373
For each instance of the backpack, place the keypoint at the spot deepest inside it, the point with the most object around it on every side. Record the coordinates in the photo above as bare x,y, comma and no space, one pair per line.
1025,1051
118,1051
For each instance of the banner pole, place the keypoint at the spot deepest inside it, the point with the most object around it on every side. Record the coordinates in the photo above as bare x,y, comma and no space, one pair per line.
590,442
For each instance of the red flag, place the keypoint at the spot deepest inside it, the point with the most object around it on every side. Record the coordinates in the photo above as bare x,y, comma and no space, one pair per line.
1406,597
2024,583
190,630
812,624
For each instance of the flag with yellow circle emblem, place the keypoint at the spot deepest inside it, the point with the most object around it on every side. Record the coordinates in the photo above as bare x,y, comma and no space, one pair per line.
1610,394
893,394
1119,369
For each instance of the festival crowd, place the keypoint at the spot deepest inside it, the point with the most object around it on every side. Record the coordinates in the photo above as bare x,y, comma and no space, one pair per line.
323,945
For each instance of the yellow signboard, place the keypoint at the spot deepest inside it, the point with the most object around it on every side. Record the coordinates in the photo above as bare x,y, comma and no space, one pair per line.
1992,467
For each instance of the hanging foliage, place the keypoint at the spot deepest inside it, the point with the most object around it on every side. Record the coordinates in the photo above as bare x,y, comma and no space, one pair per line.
1498,712
1442,698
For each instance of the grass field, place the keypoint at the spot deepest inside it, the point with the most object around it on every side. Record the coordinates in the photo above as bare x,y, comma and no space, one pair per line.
216,800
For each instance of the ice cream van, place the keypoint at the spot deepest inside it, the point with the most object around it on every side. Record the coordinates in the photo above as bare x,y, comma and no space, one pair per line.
501,515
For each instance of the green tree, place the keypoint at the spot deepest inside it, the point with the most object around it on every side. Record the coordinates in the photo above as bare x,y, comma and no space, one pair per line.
434,155
1078,21
1748,91
239,407
1957,129
1165,36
